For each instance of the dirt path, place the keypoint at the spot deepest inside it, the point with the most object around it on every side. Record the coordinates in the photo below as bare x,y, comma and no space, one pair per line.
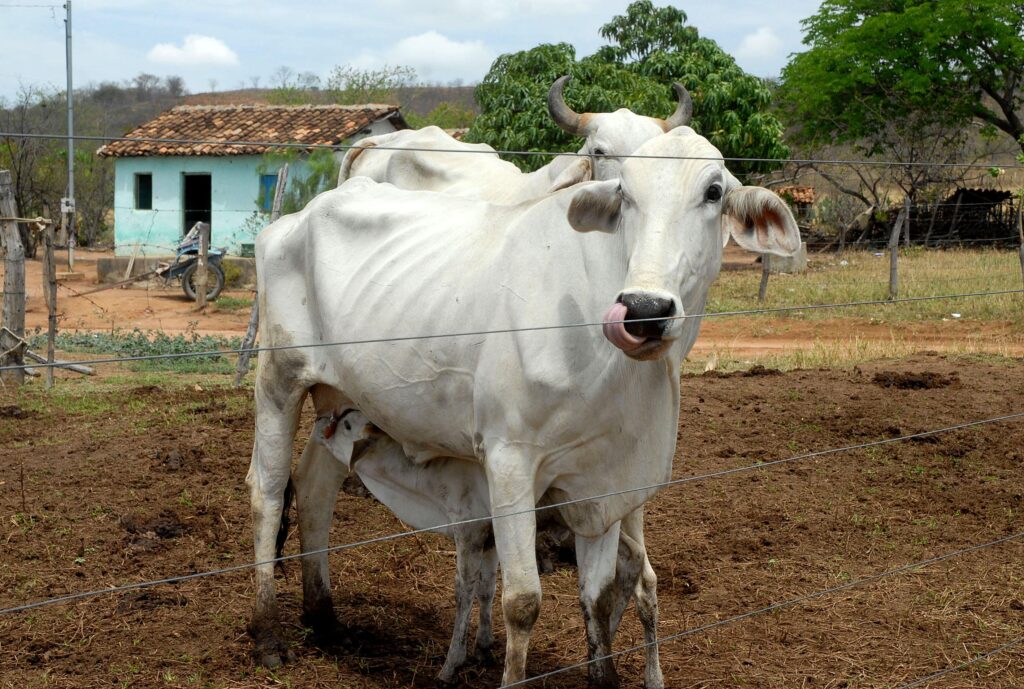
167,309
155,308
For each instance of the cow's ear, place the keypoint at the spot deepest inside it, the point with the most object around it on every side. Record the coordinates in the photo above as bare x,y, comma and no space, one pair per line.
759,221
581,170
596,206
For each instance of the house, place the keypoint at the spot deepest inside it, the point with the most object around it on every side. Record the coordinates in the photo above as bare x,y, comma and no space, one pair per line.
800,199
162,188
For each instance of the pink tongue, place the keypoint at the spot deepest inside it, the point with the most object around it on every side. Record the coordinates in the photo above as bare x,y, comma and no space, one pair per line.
616,331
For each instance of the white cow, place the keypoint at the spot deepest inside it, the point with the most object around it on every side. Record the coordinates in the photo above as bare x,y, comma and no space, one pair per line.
428,159
445,491
561,412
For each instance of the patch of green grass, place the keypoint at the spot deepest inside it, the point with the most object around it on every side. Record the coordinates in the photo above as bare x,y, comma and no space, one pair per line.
138,343
69,401
233,303
863,276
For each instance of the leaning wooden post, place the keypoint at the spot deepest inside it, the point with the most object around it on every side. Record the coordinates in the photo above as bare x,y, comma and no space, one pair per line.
14,283
906,221
766,268
1020,230
894,248
201,273
50,289
254,315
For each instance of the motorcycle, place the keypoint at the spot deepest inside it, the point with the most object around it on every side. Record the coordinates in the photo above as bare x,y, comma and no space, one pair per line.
186,264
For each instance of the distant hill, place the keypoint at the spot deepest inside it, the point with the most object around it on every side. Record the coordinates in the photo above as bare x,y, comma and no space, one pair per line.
420,100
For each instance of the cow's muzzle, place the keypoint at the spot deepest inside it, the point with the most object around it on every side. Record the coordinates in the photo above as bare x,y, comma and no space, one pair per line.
638,321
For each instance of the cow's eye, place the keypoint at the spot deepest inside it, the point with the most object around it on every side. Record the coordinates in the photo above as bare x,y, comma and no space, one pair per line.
598,151
713,194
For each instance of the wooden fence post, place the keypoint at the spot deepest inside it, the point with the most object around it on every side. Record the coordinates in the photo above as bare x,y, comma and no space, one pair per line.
906,221
894,248
254,315
14,284
1020,231
50,290
202,277
762,291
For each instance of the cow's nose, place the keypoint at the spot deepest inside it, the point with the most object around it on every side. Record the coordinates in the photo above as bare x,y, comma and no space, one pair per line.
641,306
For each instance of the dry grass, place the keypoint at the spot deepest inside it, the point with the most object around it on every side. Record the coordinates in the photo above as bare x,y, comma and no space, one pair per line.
836,354
864,276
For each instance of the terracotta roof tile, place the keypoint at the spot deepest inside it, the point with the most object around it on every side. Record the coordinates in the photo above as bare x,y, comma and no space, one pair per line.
797,193
258,124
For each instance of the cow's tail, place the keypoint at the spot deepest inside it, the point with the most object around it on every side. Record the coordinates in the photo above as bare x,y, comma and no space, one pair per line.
350,158
286,521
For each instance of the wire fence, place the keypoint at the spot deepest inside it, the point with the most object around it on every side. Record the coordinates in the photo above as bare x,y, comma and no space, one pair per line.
505,331
689,479
773,607
511,152
661,640
760,466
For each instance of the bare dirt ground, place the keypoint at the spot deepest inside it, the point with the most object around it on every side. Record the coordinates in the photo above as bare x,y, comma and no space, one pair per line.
134,482
156,308
167,309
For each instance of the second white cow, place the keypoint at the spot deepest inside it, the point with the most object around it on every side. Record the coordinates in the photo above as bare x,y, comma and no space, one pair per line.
429,159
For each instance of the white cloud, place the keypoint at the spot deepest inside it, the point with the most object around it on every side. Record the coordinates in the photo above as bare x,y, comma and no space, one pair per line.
196,50
759,47
435,57
473,13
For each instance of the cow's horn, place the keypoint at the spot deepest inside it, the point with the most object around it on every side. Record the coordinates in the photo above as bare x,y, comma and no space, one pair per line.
684,108
564,116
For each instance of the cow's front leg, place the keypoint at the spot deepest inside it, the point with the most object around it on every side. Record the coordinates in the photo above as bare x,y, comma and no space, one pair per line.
596,560
510,484
318,479
267,479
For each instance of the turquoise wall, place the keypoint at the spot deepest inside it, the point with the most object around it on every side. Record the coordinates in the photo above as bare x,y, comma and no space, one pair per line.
234,184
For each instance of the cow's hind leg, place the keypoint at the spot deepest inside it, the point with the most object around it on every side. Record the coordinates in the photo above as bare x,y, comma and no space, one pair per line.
596,559
485,588
635,577
646,596
269,471
318,479
468,556
510,484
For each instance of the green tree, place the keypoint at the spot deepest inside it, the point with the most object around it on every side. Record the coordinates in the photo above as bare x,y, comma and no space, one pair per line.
348,85
648,49
446,116
320,173
919,63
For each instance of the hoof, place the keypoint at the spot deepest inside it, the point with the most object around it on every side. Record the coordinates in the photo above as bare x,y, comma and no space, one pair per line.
269,647
443,682
485,656
603,679
273,657
322,620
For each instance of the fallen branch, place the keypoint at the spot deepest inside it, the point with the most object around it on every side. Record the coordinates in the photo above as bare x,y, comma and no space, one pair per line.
58,363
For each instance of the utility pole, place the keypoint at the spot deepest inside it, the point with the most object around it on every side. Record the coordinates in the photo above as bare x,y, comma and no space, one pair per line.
68,204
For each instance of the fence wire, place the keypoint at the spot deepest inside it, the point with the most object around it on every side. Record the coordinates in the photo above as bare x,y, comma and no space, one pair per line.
503,331
511,152
477,520
772,608
961,666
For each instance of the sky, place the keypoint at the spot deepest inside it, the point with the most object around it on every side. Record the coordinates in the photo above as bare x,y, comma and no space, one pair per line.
229,44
